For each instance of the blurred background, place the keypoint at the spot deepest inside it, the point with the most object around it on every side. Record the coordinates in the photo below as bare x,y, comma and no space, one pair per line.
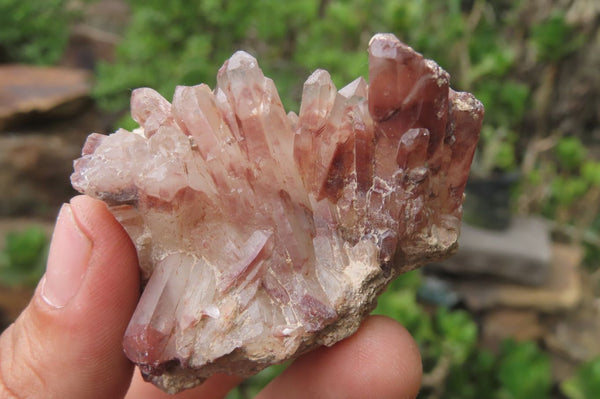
515,314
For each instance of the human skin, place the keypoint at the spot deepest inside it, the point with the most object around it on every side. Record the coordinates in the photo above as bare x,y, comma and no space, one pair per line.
67,342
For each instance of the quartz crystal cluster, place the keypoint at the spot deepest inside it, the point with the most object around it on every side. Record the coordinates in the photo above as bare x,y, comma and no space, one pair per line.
261,234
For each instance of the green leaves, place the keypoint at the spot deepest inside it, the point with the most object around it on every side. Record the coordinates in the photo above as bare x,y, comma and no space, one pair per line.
23,260
474,379
458,333
570,153
34,31
590,171
291,39
448,342
554,38
523,371
497,152
399,302
585,384
575,176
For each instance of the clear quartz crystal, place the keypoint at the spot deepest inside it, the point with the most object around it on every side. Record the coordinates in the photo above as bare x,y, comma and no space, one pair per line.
262,234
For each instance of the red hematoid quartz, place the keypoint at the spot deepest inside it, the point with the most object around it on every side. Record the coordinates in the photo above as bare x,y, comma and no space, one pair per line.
261,235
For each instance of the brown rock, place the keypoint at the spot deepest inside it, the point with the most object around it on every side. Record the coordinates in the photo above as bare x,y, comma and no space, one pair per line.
561,292
517,324
96,34
34,171
519,254
28,90
576,337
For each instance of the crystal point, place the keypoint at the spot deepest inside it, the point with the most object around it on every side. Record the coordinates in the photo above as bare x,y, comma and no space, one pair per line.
261,234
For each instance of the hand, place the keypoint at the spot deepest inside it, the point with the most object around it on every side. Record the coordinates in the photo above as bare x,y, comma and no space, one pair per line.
67,342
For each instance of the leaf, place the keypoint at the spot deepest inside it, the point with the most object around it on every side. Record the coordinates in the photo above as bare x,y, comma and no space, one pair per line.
34,31
23,259
590,171
565,190
554,38
459,333
570,152
585,384
524,371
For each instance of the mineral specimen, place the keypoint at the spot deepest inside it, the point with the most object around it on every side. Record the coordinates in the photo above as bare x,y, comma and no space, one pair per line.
261,235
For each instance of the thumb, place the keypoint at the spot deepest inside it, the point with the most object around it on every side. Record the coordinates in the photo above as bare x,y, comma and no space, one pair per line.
67,342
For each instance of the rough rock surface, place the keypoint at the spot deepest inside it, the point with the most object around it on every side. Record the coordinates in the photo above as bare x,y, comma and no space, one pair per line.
561,292
34,171
521,254
261,235
27,90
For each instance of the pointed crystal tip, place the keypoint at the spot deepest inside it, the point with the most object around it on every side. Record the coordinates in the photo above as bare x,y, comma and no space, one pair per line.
241,59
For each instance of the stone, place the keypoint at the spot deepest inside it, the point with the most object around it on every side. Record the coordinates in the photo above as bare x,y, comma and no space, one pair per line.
576,336
519,254
34,171
96,33
561,292
518,324
438,292
261,234
29,90
572,336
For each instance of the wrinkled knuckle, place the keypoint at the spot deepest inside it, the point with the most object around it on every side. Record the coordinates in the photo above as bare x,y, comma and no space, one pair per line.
20,375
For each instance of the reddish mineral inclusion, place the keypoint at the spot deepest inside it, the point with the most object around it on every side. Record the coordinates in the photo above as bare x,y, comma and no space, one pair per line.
261,234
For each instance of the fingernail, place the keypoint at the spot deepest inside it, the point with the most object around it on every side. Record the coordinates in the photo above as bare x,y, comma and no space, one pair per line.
68,259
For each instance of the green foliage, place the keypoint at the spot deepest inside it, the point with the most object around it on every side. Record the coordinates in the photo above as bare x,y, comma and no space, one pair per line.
183,43
518,371
572,186
554,38
590,171
399,302
443,333
585,384
506,103
458,332
451,336
570,183
497,152
565,190
23,260
448,339
572,180
33,31
179,42
474,379
523,371
570,153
